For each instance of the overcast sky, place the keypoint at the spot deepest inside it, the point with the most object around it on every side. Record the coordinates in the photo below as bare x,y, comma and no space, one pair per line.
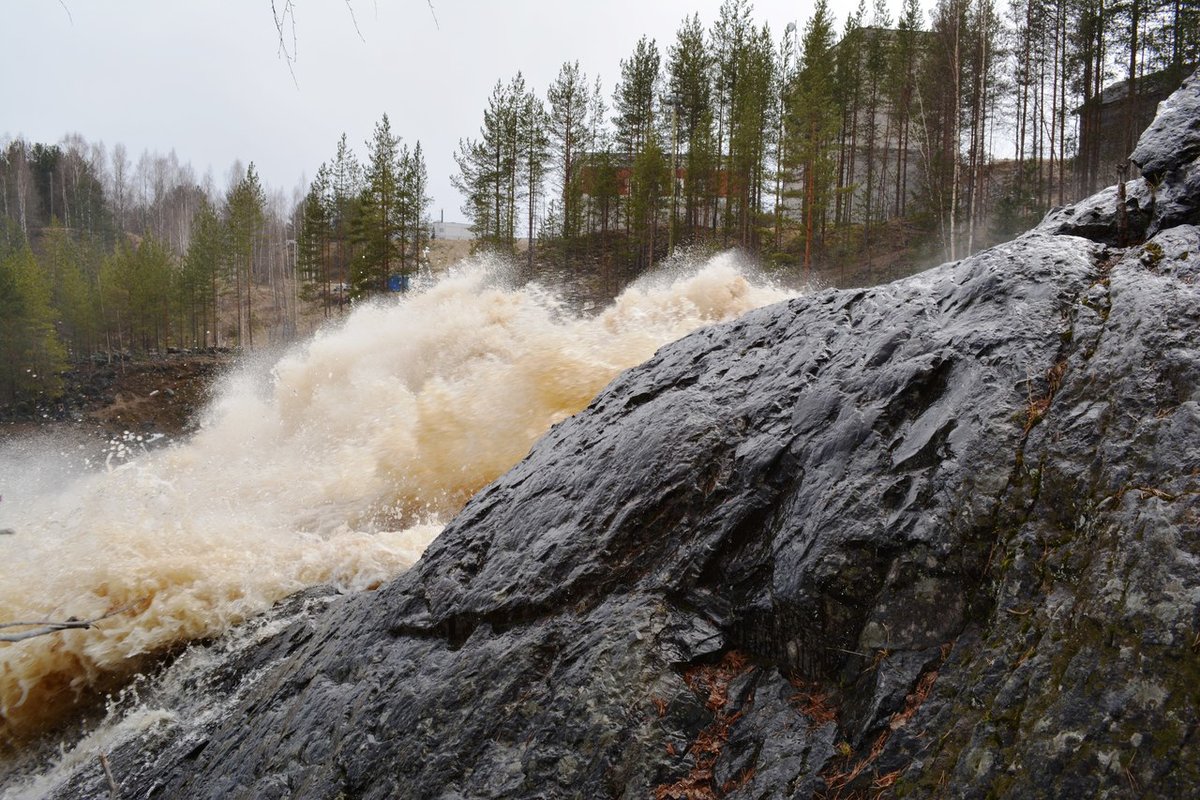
204,77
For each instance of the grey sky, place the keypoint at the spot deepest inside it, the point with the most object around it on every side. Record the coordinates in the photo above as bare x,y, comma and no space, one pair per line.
203,77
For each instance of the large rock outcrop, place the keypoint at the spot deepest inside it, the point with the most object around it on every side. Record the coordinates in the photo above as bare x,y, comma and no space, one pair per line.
936,538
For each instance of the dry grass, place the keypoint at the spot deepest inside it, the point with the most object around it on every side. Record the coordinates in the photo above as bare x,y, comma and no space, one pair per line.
1037,407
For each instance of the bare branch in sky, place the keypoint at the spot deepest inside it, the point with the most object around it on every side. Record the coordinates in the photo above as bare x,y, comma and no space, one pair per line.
284,16
354,19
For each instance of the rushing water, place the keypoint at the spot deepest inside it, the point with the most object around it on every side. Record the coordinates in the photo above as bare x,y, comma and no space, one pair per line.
336,464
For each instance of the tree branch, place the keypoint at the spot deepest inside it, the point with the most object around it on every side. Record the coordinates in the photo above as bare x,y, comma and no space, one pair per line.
283,14
354,19
46,627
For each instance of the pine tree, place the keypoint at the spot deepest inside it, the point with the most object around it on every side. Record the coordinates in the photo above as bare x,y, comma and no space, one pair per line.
313,242
346,185
380,216
65,262
137,287
635,120
534,147
569,100
751,125
689,69
983,86
244,218
877,41
649,183
416,206
848,94
600,144
635,98
1089,48
785,77
31,355
490,168
729,40
902,94
940,117
814,116
203,267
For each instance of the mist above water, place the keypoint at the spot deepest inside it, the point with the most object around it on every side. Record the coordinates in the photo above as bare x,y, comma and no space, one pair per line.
337,463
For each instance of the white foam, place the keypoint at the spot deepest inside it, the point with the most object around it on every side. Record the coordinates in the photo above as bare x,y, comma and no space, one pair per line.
338,463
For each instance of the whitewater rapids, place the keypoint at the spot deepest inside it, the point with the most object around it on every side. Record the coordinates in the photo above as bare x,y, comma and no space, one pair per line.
338,464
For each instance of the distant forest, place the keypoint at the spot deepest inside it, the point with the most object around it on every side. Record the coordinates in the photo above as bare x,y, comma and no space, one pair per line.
843,151
102,258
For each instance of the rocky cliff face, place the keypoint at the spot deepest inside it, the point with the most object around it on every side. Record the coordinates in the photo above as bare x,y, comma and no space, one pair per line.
936,538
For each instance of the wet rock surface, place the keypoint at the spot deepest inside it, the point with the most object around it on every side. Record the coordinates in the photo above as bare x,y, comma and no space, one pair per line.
1166,196
1173,139
936,538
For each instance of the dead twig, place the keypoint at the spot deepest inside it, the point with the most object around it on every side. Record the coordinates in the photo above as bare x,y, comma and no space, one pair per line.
45,627
112,784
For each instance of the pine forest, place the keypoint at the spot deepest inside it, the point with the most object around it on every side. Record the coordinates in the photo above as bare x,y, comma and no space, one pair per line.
839,151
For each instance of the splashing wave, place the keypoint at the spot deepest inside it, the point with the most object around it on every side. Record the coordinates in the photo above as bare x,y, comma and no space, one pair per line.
338,467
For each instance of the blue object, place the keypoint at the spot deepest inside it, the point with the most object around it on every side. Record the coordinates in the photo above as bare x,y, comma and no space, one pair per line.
397,283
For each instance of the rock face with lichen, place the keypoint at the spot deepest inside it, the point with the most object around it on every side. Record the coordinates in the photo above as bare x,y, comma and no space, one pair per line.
936,538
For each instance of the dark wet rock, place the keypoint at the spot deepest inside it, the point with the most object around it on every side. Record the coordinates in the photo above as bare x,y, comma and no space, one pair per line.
1166,196
1173,139
1099,217
936,538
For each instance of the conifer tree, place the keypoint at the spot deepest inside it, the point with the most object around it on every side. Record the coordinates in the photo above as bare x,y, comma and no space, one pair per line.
814,117
905,56
136,282
65,262
569,99
490,168
244,218
848,94
203,269
380,215
534,147
599,200
635,97
31,355
940,107
750,130
635,104
648,185
476,181
785,77
729,39
346,184
876,125
689,81
312,244
416,206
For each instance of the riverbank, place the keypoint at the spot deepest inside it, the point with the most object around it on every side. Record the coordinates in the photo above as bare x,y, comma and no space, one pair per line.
150,395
